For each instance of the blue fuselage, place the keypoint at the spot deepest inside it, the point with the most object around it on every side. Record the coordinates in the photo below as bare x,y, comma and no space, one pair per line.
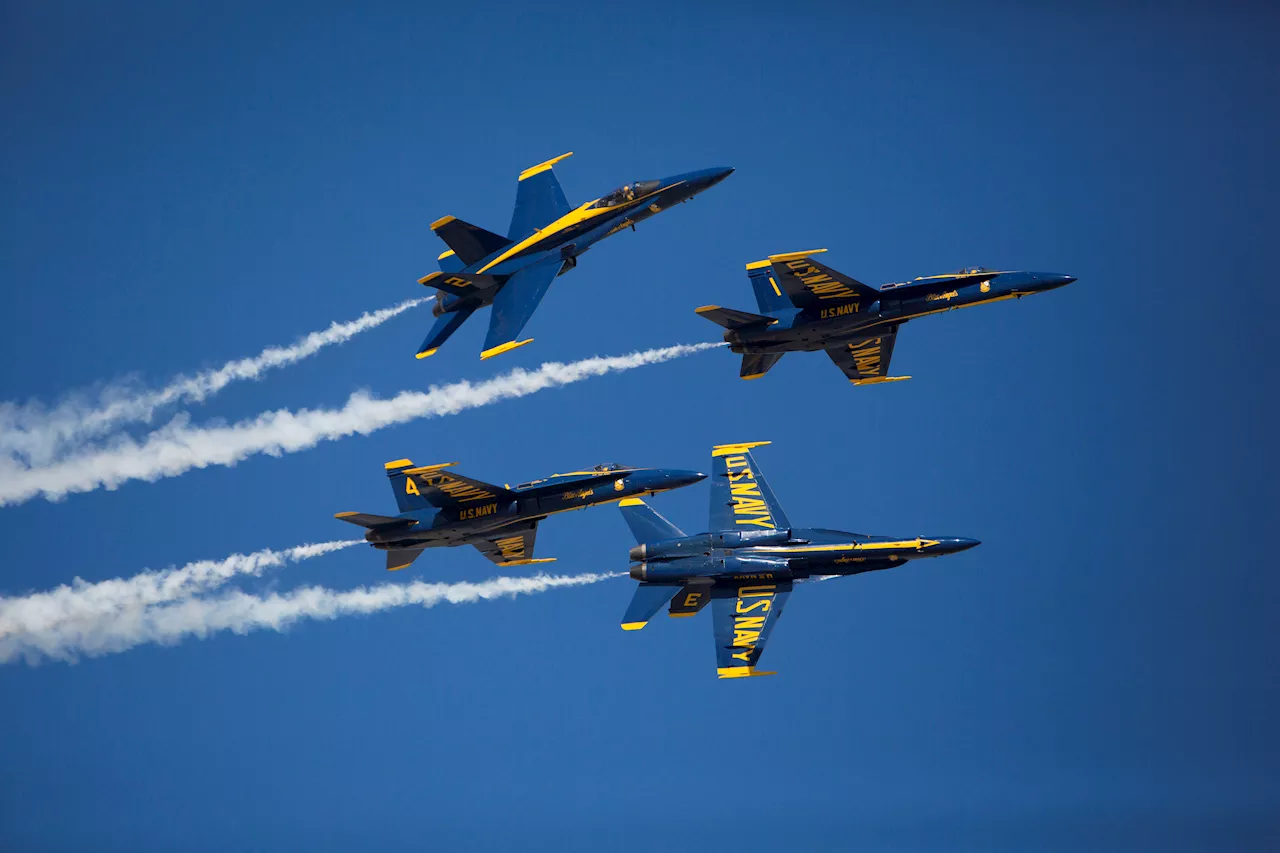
848,319
587,224
474,520
781,554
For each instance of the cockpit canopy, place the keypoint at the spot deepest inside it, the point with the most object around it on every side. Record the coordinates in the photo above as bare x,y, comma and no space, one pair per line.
627,192
605,467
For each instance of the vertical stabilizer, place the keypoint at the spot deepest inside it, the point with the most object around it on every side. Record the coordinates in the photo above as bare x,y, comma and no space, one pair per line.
769,295
646,524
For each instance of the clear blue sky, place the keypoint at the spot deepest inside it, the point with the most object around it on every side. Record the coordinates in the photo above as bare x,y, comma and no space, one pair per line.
186,186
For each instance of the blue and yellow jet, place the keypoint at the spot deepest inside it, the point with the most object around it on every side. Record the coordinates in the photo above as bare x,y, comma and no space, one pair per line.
805,306
747,564
546,237
441,509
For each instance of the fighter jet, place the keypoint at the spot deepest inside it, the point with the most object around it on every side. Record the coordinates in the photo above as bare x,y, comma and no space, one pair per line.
441,509
747,564
806,306
546,237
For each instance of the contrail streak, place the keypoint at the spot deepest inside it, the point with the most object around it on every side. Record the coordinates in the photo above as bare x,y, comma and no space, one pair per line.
242,613
80,613
36,435
178,447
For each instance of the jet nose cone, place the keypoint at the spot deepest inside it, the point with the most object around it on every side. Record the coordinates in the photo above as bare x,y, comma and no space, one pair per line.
718,174
685,478
1049,280
706,178
955,544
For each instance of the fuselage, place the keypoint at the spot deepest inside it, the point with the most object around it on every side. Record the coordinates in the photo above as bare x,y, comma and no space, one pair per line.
587,224
532,501
781,554
849,317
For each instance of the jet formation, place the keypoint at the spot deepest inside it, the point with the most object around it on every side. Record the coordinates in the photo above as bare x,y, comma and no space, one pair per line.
749,561
805,306
441,508
746,565
544,240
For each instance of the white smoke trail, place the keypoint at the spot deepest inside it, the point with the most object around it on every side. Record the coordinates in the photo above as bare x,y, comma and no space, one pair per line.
80,612
179,447
242,613
36,435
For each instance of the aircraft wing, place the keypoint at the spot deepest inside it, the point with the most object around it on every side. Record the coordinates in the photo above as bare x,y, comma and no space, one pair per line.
744,615
539,200
515,304
740,497
866,360
512,547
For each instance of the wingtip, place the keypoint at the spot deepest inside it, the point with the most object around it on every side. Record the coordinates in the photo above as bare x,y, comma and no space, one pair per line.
741,672
879,380
740,447
501,348
633,626
427,353
795,256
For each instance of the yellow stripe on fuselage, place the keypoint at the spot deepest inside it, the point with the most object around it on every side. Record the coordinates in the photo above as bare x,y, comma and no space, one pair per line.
902,545
573,217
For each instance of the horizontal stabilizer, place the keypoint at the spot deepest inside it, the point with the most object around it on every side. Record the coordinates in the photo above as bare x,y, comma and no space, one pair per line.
755,365
461,284
374,522
646,523
444,326
647,601
693,597
401,558
731,318
470,242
